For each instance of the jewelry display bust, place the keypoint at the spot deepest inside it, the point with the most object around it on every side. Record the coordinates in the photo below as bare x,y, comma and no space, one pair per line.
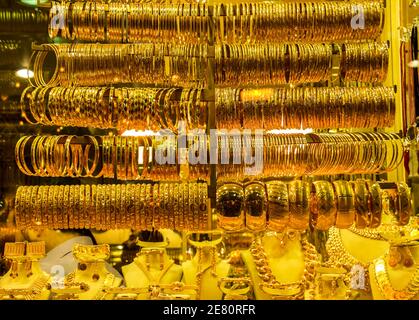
396,281
92,273
206,268
25,278
151,267
355,248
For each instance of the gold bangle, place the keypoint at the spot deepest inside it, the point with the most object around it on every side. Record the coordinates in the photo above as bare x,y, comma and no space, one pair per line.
278,206
299,204
256,206
323,208
345,204
230,206
376,206
362,206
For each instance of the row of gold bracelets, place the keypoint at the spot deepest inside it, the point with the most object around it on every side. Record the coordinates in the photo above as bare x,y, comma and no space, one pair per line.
234,23
290,155
133,22
23,20
298,21
121,108
365,62
106,64
101,64
58,156
120,157
178,206
277,205
272,64
308,107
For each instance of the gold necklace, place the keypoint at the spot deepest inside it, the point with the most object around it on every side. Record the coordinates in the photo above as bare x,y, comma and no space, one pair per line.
33,292
386,288
340,257
146,271
373,234
200,272
269,281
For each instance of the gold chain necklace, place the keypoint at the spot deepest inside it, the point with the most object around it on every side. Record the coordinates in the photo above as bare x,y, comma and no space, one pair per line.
107,283
368,233
386,288
339,256
269,281
201,271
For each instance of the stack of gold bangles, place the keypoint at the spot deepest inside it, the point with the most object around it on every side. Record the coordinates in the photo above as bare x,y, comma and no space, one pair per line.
160,157
120,157
185,65
292,155
365,62
277,205
23,20
234,23
308,107
178,206
121,108
104,64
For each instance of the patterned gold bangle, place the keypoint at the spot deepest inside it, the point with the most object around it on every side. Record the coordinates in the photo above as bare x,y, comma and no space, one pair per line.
345,204
323,208
403,204
100,203
76,206
175,199
81,206
51,207
94,205
33,201
361,194
87,207
376,206
19,206
107,209
278,206
114,204
155,205
299,202
148,206
38,208
181,212
71,208
139,206
55,220
130,208
61,208
203,207
123,213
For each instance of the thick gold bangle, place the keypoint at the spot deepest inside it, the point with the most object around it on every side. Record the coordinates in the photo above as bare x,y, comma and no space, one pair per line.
403,204
230,206
278,206
299,204
345,204
256,207
362,207
376,205
323,208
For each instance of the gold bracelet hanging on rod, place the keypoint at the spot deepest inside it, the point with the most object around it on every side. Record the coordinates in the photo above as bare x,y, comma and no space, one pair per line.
305,107
120,108
292,155
120,157
186,65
